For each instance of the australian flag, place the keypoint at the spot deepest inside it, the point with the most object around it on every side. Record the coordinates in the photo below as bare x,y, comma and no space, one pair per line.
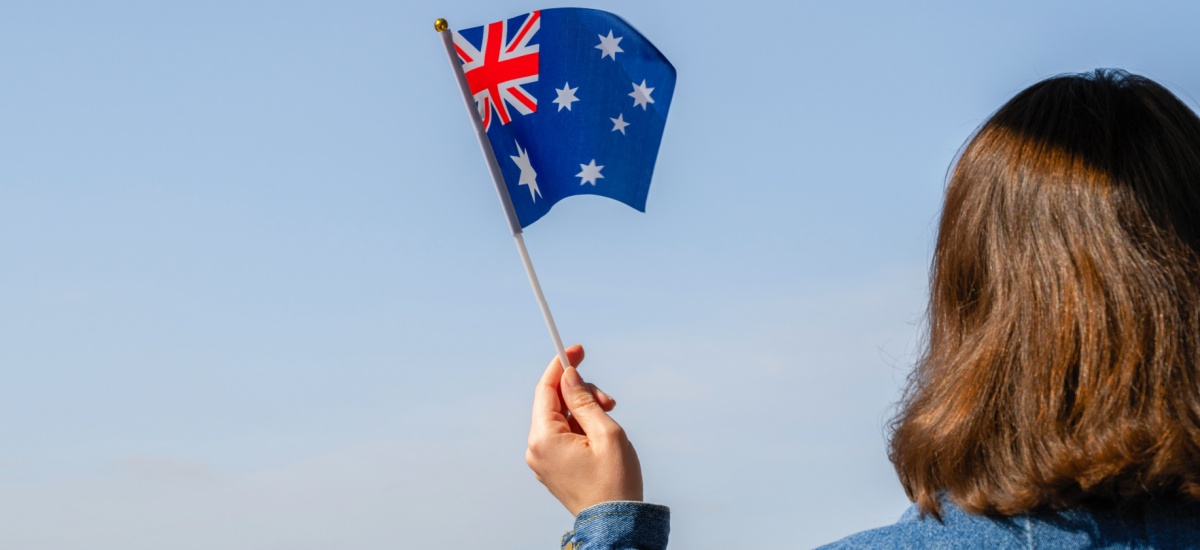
574,102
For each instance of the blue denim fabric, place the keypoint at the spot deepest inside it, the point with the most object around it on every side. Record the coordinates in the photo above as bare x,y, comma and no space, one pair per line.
620,525
1160,525
1164,524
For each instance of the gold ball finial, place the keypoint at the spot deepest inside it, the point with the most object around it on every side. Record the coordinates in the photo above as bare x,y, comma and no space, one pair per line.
440,25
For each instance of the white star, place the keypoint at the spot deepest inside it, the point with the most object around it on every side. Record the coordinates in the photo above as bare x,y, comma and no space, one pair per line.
566,96
589,173
619,123
641,95
528,176
609,46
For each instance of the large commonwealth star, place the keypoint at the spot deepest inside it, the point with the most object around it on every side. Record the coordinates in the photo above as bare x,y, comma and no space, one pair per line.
528,176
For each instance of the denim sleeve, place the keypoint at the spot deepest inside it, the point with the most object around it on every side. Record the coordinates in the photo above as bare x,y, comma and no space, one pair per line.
620,525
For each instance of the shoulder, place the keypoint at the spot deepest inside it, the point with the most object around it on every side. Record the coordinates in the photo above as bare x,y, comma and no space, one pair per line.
1162,524
955,527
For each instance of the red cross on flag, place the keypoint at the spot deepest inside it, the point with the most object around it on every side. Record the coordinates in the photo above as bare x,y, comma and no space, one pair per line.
495,75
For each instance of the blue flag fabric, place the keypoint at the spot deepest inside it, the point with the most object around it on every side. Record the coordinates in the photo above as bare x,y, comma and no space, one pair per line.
574,102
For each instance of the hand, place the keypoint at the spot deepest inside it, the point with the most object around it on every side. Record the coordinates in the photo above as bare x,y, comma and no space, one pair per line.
575,449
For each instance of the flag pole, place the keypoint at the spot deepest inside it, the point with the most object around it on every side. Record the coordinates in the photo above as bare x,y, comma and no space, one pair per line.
443,29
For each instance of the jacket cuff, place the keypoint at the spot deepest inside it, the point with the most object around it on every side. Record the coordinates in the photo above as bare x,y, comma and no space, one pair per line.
620,525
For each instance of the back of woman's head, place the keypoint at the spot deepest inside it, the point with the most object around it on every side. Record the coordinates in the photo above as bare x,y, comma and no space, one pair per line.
1063,359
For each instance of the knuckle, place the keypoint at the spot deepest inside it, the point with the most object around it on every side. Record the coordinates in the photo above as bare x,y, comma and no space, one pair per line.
535,447
611,431
583,401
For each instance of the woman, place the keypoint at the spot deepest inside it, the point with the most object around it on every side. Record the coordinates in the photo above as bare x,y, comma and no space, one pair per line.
1057,404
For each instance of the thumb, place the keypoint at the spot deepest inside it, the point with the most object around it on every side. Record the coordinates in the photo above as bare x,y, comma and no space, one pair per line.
583,406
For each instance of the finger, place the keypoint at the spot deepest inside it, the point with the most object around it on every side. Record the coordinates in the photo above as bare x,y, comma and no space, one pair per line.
545,395
583,406
606,401
548,407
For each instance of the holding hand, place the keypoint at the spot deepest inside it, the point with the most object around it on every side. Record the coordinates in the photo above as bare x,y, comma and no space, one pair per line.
575,449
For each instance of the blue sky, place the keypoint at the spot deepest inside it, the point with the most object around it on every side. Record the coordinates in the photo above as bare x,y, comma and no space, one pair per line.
257,292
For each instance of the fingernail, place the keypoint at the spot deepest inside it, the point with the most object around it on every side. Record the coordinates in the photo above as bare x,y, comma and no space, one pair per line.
572,379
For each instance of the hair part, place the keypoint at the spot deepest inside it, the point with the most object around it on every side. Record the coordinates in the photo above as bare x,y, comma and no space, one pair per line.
1062,362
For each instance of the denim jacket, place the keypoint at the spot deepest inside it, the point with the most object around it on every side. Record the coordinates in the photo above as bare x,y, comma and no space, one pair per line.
1161,524
620,525
1165,524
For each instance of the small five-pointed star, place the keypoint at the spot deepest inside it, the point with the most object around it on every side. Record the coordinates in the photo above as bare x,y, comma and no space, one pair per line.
609,46
528,176
566,96
589,173
619,123
641,95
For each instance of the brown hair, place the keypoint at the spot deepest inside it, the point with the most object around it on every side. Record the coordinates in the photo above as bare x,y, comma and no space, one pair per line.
1062,365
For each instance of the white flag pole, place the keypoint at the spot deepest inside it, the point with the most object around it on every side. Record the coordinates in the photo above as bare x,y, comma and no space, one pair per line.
443,29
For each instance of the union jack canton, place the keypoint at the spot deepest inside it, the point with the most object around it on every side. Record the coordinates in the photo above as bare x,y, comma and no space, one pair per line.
574,102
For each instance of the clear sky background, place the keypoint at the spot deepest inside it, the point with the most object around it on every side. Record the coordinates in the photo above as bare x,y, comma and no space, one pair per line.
256,291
